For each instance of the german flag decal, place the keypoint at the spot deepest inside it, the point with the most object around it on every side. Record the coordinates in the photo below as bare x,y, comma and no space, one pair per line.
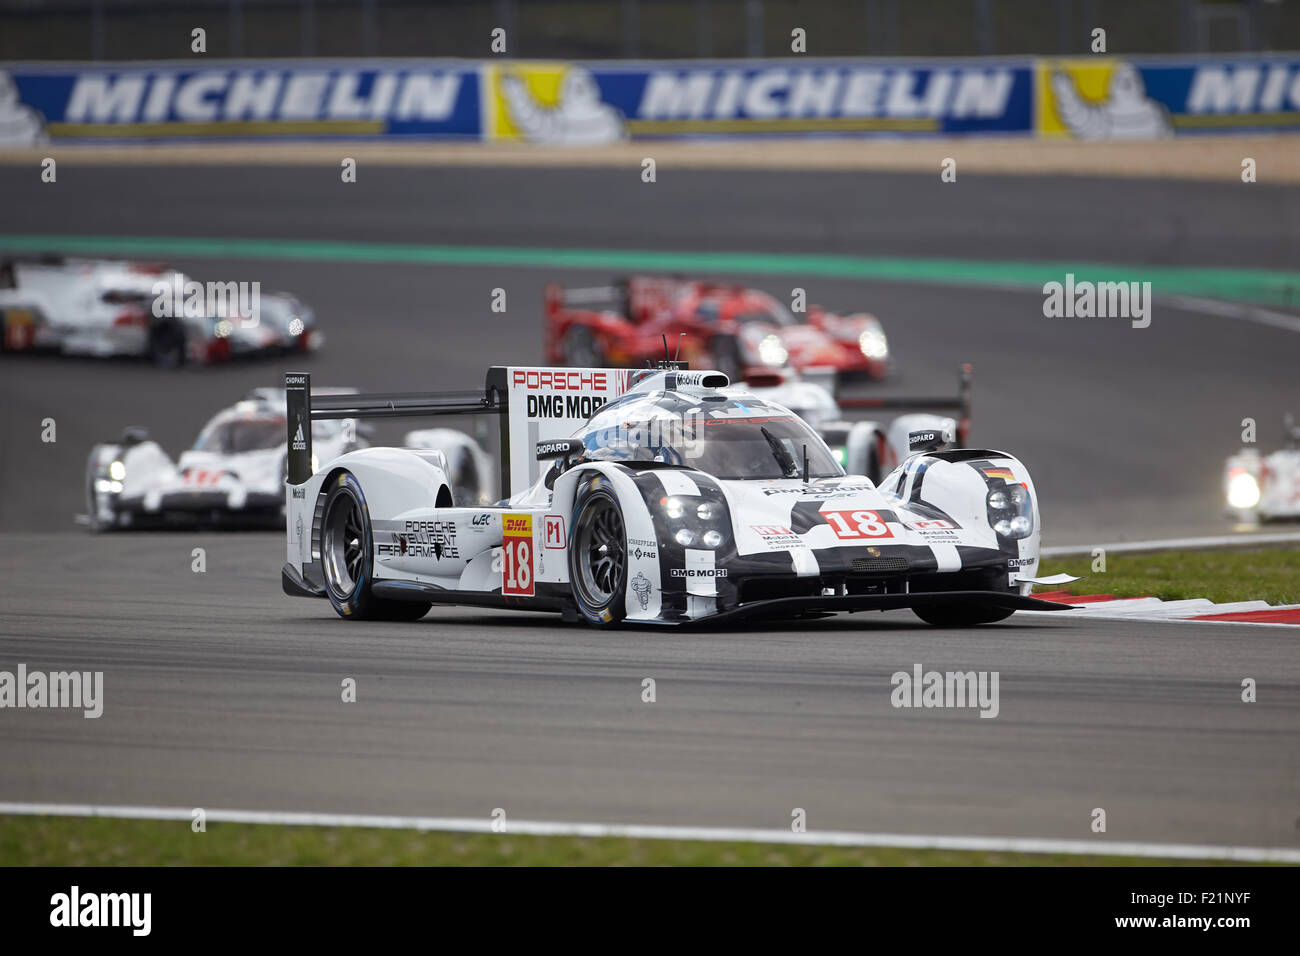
1003,473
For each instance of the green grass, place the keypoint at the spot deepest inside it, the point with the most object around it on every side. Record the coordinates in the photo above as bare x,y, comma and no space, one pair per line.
1235,574
99,841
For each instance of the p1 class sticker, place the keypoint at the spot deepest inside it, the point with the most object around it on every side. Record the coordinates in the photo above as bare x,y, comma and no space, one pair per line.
517,555
856,525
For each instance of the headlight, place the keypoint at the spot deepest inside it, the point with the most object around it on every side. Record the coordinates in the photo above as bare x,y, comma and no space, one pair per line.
1243,490
771,351
295,326
873,344
117,471
706,511
712,539
223,329
673,507
685,537
1011,513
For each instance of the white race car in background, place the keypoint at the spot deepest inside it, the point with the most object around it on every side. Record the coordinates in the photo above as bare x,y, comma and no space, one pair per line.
104,308
867,447
1265,487
470,468
234,474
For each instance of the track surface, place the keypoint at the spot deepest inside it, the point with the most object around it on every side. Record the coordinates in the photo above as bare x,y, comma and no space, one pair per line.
223,692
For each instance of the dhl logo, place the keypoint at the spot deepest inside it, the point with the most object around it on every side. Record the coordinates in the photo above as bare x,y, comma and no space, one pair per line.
518,526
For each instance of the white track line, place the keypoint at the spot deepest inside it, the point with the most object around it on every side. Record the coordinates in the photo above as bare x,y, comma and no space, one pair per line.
1223,541
1181,851
1233,310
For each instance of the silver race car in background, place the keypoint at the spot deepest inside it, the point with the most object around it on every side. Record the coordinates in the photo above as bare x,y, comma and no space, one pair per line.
1265,487
652,496
234,473
106,308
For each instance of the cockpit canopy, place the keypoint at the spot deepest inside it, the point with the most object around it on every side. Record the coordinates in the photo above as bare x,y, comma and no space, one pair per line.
724,436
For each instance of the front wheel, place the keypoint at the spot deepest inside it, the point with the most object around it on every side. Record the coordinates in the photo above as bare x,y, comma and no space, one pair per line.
167,344
962,614
598,555
346,552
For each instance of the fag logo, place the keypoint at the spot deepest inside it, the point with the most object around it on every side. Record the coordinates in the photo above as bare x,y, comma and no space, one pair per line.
299,441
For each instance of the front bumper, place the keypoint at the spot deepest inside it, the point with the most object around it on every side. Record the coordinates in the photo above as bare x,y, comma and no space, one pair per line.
794,606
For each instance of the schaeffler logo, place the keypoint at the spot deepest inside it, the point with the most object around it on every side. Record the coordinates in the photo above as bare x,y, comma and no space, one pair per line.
227,302
1098,300
75,908
946,689
75,690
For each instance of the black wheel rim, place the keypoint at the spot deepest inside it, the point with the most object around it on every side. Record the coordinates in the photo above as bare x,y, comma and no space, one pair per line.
343,545
601,551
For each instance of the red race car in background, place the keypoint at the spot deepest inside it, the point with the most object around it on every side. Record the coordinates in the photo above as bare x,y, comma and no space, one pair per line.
716,325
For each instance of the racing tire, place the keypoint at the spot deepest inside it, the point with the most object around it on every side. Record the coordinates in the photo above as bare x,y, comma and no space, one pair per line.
962,615
167,344
97,524
580,348
598,555
347,557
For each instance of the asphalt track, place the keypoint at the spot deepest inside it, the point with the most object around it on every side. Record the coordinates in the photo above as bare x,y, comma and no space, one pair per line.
220,692
223,692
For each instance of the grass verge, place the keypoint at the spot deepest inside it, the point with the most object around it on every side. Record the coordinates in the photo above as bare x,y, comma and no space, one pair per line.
100,841
1266,574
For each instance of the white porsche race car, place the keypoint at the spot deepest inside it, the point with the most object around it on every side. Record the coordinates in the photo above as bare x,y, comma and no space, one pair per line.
105,308
1265,487
233,475
651,496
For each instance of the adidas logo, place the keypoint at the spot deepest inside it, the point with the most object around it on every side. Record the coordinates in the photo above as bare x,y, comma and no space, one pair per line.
299,442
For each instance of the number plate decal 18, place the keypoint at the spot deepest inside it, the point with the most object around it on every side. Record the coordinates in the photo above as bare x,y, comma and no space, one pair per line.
517,555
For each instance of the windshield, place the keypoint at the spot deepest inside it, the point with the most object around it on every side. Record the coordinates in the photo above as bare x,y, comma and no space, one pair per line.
734,447
232,437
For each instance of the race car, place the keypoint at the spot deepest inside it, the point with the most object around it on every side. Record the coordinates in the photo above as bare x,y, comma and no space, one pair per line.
723,326
864,447
651,497
1265,487
233,475
105,308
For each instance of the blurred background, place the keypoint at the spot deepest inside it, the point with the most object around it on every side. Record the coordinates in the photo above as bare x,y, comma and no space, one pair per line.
600,29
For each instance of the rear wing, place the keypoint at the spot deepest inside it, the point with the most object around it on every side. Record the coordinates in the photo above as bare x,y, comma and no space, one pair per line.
530,404
960,403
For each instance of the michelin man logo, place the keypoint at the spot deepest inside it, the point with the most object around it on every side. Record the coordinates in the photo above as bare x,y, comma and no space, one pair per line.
579,118
1126,113
641,588
20,125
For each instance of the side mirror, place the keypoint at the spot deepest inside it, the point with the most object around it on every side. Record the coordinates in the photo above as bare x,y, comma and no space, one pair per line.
562,448
928,440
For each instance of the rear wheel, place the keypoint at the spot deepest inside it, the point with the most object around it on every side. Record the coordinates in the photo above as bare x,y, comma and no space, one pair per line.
346,551
580,348
962,614
167,344
598,556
